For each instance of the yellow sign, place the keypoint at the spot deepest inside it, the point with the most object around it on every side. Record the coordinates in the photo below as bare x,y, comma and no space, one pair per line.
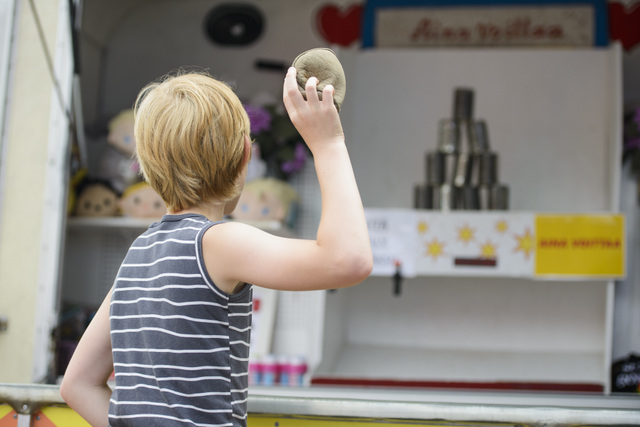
580,245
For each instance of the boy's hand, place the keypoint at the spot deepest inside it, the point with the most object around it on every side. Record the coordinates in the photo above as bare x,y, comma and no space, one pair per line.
317,121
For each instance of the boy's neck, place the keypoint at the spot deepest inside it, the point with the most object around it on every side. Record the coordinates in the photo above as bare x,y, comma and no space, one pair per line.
213,211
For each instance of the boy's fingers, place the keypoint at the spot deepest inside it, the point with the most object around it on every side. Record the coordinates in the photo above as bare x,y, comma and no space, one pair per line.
291,94
311,90
327,94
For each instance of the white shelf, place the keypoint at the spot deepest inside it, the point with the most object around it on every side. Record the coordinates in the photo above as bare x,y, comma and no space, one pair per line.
109,222
553,118
373,362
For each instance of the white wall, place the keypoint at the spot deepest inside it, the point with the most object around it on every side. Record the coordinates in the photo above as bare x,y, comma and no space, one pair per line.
547,111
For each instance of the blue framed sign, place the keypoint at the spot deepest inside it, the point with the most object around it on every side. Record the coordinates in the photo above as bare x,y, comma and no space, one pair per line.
489,23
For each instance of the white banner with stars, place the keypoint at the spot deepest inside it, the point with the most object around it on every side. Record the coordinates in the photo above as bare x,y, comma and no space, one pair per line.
456,243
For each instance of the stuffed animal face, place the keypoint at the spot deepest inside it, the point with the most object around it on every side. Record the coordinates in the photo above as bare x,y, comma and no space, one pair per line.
141,201
97,200
266,199
259,205
121,133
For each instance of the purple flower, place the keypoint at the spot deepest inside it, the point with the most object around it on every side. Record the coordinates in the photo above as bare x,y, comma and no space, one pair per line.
259,117
298,161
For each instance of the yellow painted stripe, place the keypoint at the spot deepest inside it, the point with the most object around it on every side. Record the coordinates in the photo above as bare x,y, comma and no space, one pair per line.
63,416
4,410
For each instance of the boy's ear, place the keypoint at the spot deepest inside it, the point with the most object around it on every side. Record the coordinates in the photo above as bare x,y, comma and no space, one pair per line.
248,150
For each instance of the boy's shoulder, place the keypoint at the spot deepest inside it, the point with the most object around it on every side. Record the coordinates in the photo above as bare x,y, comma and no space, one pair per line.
229,230
234,239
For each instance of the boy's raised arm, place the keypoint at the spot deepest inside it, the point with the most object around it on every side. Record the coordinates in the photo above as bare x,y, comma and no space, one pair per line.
341,254
342,226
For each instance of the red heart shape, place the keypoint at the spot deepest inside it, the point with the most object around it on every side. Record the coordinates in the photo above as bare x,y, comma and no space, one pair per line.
624,25
339,26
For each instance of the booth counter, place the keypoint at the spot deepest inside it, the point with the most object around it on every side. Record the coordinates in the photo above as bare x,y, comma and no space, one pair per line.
39,406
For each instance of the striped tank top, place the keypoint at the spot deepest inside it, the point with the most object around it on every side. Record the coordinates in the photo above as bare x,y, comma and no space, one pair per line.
180,345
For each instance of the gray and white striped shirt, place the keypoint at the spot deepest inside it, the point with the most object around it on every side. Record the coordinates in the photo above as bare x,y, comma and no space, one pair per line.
180,345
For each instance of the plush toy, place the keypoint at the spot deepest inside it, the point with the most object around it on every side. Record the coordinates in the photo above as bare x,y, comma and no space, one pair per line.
267,199
96,199
323,64
118,164
141,201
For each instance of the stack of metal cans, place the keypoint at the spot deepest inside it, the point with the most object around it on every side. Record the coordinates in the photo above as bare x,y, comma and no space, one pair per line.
462,173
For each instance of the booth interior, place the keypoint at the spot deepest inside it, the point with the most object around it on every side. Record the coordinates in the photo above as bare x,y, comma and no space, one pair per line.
494,319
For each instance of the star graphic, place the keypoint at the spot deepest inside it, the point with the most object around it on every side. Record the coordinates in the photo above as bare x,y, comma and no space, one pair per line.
434,249
488,250
423,227
502,226
526,243
466,234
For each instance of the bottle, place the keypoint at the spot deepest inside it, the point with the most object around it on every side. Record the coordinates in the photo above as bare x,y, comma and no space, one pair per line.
255,371
282,376
269,370
297,367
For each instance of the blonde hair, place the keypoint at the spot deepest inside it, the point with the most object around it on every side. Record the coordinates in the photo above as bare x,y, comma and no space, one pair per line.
190,131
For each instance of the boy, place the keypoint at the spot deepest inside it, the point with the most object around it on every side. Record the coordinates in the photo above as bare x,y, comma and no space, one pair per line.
175,326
